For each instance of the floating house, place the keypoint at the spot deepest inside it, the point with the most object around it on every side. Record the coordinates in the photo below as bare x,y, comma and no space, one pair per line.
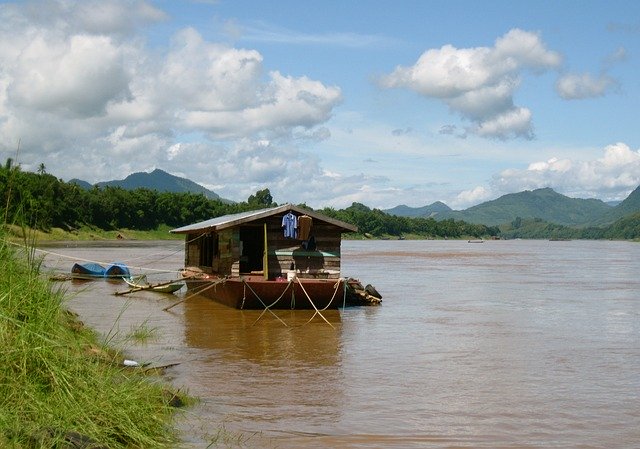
280,257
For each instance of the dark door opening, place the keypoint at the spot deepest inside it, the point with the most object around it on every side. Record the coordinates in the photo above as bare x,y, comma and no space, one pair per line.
251,259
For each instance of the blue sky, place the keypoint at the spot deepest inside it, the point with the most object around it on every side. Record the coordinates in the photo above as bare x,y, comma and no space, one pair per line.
328,103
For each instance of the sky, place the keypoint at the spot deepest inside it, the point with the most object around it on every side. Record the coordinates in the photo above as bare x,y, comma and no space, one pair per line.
328,103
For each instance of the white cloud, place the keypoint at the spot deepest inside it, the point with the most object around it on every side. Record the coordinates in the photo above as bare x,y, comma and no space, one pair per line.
479,83
79,75
611,177
575,87
470,197
85,96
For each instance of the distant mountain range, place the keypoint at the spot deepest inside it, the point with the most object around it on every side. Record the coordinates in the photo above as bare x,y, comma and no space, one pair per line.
425,211
156,180
545,204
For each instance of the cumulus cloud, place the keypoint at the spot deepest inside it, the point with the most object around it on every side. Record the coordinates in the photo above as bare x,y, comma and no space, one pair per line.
479,83
84,94
470,197
613,176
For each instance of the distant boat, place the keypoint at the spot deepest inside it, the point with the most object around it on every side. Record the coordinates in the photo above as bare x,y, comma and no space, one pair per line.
141,283
476,241
91,270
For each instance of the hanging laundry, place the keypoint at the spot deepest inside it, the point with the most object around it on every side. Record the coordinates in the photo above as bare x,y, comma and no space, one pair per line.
304,226
290,226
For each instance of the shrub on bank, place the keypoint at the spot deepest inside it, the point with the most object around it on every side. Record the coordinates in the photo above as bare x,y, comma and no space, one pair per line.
57,383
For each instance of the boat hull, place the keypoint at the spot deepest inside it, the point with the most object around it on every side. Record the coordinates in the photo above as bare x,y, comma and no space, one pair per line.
254,292
93,270
87,270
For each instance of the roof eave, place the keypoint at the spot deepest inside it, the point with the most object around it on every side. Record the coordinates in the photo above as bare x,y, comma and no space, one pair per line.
190,229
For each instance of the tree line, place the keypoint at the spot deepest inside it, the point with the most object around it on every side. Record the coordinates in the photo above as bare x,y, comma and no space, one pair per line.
42,201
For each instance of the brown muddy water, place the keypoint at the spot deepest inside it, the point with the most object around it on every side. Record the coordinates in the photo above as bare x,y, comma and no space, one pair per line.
505,344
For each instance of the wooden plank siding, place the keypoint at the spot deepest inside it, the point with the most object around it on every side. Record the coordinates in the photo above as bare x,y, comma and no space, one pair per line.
225,259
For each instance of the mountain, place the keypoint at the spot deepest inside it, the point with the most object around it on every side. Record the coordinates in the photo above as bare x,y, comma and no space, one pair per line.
80,183
628,206
156,180
545,204
424,211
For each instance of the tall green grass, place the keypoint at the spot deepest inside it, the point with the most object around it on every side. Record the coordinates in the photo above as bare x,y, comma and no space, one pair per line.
56,380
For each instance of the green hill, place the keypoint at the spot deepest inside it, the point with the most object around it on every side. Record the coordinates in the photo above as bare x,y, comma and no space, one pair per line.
156,180
545,204
424,211
630,205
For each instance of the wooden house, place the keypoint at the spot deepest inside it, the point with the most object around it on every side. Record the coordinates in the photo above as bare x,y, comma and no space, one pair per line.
263,252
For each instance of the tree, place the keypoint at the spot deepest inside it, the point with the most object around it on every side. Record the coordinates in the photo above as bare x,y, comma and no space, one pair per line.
262,198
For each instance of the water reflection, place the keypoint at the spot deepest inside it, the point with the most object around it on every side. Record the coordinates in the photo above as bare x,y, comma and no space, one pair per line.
260,337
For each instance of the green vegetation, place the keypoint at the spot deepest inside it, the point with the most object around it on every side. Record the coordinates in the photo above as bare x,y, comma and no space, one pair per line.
42,202
378,224
544,204
627,228
62,210
59,386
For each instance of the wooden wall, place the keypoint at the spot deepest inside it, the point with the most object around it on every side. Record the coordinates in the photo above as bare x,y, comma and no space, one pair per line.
323,262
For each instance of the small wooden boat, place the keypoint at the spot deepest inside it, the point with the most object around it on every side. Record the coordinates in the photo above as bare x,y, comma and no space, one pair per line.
141,283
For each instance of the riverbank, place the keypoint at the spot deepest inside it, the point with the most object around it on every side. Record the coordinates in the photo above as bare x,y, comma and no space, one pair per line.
62,386
18,233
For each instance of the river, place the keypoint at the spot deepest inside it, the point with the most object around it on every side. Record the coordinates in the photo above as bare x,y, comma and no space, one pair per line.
504,344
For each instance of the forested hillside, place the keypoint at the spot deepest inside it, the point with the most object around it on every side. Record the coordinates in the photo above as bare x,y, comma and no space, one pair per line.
156,180
544,204
41,201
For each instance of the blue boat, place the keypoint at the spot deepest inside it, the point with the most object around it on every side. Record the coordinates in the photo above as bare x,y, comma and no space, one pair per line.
91,270
117,269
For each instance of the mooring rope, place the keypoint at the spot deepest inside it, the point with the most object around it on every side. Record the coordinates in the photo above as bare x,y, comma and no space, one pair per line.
317,312
207,287
266,308
80,259
273,303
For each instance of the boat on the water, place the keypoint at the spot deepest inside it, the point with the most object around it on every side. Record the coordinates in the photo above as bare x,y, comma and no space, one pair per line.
141,283
92,270
283,257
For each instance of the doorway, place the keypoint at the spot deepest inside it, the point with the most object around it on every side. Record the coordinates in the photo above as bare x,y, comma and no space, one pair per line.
252,238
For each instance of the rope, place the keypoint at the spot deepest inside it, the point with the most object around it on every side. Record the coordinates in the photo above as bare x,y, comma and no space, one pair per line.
344,296
317,312
75,258
266,308
274,302
166,309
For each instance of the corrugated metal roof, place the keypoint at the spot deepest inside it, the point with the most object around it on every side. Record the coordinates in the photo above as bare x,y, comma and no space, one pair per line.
227,221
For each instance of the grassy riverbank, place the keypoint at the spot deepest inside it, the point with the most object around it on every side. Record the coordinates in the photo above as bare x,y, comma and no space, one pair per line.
17,233
58,383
